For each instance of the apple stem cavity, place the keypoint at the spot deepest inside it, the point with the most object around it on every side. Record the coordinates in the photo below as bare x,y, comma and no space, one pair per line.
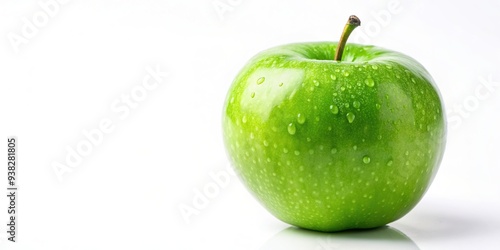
351,24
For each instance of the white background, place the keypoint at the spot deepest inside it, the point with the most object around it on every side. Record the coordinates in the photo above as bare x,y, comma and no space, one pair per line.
82,57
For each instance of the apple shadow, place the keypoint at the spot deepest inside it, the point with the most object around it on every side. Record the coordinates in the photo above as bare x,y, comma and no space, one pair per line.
385,237
449,224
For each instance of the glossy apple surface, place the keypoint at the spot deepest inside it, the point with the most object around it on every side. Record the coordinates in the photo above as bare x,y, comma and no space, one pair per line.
328,145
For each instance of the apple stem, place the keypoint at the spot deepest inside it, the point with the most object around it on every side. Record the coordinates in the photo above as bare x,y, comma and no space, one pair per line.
351,24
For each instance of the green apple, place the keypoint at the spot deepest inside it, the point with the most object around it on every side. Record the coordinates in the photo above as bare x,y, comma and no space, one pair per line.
329,144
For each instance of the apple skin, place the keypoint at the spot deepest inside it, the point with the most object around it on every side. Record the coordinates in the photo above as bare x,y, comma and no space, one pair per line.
330,146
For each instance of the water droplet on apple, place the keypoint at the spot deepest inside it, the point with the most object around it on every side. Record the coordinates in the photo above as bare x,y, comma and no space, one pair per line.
291,129
316,83
261,80
366,159
333,151
342,88
333,77
369,82
334,109
413,80
374,67
356,104
296,152
252,95
281,84
244,119
389,163
388,66
252,136
301,118
266,143
346,105
377,106
346,73
285,150
350,117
